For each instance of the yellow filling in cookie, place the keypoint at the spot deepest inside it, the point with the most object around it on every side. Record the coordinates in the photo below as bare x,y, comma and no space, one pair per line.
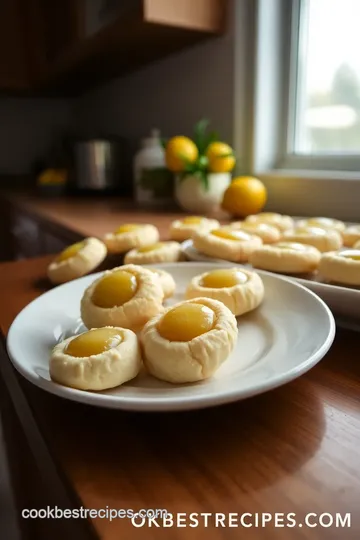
186,322
93,342
115,289
128,227
354,255
230,234
70,252
218,279
192,220
152,247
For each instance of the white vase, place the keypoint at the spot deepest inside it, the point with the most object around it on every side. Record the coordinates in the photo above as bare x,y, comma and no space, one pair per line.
193,196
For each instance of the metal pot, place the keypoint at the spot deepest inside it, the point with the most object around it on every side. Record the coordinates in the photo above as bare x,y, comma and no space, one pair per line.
97,164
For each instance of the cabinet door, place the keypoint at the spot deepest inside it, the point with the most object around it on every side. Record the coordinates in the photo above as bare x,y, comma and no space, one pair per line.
27,237
23,48
33,35
33,239
61,27
13,61
52,244
97,14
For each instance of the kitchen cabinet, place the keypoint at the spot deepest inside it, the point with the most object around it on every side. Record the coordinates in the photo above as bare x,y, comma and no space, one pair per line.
33,238
32,34
15,64
33,225
25,235
66,47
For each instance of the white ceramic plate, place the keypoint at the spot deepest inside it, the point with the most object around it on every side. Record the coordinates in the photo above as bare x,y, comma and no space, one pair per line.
343,301
281,340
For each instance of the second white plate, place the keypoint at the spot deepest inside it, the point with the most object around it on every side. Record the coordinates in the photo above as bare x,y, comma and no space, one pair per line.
343,301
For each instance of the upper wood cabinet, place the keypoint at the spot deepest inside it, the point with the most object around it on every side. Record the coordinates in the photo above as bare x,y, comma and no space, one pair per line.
70,45
14,66
32,35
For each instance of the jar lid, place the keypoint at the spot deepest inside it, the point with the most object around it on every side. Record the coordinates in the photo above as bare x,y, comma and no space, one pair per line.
153,140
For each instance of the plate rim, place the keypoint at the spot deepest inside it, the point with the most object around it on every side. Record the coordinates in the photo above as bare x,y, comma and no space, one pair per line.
307,283
163,404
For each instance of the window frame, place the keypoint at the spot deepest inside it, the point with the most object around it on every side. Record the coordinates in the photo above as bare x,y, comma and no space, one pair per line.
298,185
292,74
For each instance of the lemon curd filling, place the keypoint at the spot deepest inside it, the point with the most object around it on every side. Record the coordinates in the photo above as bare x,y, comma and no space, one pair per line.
186,322
70,251
228,234
292,245
115,289
93,342
217,279
351,254
128,227
152,247
192,220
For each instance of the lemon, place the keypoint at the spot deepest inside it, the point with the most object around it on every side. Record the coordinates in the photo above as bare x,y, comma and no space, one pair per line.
180,151
246,195
52,177
221,157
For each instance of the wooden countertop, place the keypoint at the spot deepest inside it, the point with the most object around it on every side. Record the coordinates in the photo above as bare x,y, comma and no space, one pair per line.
295,449
90,216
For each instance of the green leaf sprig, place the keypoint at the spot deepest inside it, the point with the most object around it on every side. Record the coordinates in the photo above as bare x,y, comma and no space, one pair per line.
202,139
197,168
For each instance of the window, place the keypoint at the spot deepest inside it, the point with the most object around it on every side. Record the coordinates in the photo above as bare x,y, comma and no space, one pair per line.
297,118
324,106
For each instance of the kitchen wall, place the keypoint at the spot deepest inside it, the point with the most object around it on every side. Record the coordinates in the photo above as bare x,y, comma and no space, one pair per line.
27,129
170,95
